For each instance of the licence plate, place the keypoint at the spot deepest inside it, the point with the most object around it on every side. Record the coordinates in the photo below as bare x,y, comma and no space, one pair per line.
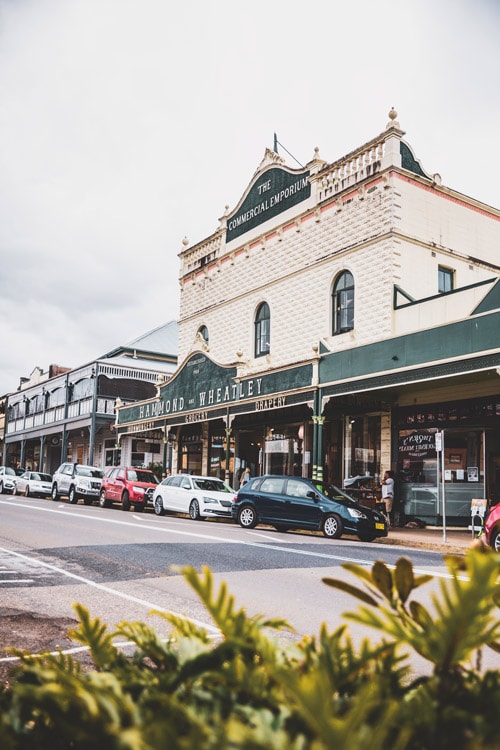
380,526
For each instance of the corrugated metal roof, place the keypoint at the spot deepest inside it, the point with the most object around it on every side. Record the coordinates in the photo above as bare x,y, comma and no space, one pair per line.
163,340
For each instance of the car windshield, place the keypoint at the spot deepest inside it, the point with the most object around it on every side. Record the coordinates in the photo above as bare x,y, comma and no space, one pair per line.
136,475
89,471
334,493
10,471
211,485
41,477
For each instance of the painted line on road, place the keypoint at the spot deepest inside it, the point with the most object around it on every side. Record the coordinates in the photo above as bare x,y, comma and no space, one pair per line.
106,589
191,534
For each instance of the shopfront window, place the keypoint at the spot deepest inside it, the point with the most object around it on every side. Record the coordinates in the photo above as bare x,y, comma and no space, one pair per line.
362,447
424,472
283,451
218,454
191,445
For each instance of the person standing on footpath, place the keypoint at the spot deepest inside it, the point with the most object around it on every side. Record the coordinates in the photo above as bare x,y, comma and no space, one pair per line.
388,494
245,477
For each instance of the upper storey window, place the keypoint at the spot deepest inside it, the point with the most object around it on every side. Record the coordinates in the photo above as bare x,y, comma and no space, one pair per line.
263,330
445,279
343,303
203,333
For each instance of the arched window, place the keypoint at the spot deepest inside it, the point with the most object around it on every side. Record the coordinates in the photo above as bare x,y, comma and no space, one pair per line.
343,303
203,332
262,330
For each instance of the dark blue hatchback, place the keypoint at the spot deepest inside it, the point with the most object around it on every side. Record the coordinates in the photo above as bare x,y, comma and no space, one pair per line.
297,503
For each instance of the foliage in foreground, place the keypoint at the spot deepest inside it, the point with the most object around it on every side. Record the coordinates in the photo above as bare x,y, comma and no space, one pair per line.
248,691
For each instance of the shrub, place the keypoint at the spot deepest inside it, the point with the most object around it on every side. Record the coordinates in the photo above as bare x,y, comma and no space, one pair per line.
248,691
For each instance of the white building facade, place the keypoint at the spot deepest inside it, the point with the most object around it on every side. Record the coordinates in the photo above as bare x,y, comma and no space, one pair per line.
342,315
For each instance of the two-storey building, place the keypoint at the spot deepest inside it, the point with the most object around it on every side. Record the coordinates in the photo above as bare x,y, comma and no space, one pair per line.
341,316
67,414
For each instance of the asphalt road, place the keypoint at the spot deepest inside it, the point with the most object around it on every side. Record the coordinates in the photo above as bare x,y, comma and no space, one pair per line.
122,565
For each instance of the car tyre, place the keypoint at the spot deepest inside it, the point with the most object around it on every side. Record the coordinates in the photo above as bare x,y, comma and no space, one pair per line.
332,526
103,501
194,510
159,509
54,494
125,501
1,488
247,517
366,537
72,496
495,540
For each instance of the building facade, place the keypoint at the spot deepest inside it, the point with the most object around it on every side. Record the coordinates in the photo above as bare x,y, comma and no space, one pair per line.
339,318
69,414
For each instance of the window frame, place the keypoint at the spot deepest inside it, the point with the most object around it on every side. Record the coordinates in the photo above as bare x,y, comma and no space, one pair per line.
447,275
342,303
262,330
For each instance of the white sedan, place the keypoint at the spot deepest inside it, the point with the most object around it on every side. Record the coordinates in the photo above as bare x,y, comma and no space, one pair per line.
33,483
200,497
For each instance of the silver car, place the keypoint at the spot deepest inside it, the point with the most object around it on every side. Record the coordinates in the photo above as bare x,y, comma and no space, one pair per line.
200,497
34,484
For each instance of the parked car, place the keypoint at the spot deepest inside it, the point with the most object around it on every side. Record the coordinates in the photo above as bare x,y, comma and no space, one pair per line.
75,481
297,503
492,527
126,485
33,483
200,497
7,479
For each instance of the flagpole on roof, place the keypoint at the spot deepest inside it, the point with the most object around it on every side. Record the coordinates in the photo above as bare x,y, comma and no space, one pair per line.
275,149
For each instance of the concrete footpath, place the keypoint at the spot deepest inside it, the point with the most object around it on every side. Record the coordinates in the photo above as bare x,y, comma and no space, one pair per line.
453,540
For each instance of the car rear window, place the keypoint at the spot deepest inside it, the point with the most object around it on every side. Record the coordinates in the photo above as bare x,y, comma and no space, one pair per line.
272,485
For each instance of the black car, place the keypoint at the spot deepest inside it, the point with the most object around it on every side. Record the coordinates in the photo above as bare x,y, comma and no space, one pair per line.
297,503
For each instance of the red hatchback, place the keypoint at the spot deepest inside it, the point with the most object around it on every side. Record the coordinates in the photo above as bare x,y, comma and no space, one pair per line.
126,485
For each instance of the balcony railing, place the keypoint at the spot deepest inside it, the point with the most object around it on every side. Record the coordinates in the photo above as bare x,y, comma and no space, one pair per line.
76,410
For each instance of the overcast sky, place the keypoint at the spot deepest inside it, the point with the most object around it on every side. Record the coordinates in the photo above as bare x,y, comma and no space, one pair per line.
126,125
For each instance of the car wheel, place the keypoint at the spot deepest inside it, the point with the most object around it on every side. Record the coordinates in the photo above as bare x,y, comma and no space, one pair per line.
332,527
194,511
72,496
280,528
1,488
247,517
366,537
125,501
103,501
495,540
54,494
159,509
26,490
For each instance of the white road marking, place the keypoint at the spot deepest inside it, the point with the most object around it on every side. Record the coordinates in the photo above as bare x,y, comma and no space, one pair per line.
160,528
106,589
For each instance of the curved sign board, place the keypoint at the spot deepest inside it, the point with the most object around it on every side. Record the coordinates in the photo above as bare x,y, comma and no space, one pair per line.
274,191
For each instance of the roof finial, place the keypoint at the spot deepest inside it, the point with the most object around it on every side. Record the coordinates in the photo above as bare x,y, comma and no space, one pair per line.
393,123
